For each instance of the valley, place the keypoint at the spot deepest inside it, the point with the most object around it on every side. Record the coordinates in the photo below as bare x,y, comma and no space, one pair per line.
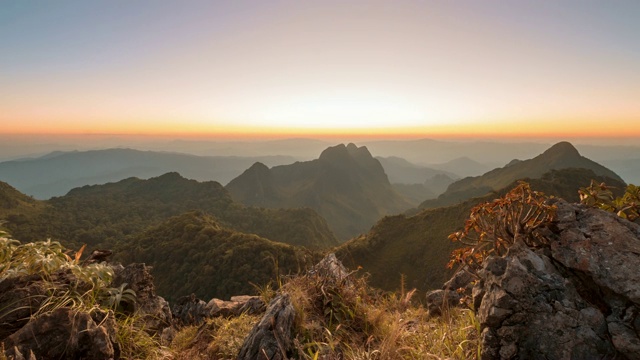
346,200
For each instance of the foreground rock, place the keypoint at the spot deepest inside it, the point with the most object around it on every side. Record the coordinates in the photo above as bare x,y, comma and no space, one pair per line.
271,338
579,298
154,309
451,293
66,334
20,296
190,310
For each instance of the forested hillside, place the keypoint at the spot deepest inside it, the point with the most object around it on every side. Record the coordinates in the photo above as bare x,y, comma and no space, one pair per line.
104,215
346,185
193,253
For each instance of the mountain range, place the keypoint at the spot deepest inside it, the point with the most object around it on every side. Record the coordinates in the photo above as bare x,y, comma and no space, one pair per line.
67,170
346,185
191,229
562,155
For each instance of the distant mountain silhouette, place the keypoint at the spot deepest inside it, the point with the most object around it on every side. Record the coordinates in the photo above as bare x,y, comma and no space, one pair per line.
562,155
401,171
463,166
195,253
346,185
67,170
104,215
417,245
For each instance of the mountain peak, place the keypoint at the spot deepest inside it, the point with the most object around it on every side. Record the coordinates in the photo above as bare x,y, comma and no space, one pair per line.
563,148
334,152
258,166
169,177
342,151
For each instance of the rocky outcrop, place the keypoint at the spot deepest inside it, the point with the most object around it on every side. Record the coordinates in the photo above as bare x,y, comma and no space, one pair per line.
330,268
578,298
66,334
189,310
237,305
19,297
271,338
451,293
154,309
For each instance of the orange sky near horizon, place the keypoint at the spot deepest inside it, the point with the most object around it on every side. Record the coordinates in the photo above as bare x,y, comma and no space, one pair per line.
248,68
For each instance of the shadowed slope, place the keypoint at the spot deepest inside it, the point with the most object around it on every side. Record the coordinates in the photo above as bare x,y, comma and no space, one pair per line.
102,215
346,185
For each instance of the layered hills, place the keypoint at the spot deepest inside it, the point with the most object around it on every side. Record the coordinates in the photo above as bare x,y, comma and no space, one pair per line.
401,171
346,185
67,170
103,215
562,155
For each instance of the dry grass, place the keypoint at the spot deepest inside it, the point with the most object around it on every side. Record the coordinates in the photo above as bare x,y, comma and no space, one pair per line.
217,339
345,320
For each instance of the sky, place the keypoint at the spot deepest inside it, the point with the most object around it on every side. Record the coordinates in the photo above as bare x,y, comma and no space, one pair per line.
318,68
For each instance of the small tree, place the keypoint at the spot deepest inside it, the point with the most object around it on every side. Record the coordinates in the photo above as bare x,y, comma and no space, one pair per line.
494,226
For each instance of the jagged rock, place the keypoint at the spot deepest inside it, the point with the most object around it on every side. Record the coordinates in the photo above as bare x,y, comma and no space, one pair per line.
451,293
462,279
154,309
438,300
330,268
251,305
66,334
21,296
190,310
271,338
579,298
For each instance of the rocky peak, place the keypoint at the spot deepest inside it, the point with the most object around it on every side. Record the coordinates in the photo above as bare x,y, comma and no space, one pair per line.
335,153
342,155
562,149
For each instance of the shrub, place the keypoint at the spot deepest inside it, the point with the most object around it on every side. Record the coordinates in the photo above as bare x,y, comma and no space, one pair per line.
599,195
494,226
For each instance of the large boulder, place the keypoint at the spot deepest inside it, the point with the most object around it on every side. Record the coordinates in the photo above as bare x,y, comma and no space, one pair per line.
21,296
66,333
578,298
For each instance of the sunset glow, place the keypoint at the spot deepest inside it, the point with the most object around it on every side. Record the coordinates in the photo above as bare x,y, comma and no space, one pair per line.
287,68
